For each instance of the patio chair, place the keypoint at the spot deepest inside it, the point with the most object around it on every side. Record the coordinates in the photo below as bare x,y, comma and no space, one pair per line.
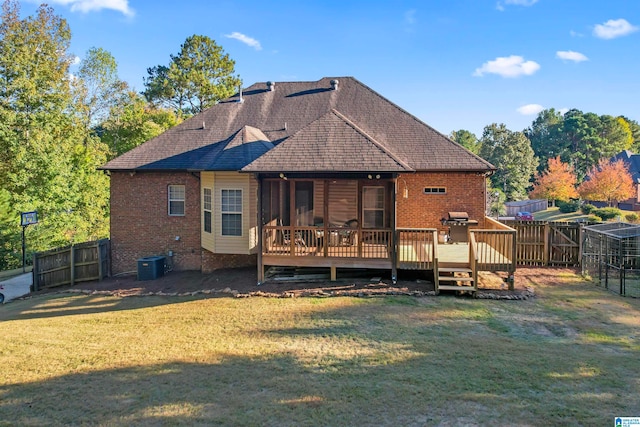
349,232
298,241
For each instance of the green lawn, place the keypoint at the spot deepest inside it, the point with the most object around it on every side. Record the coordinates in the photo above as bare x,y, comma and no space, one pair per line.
553,214
569,356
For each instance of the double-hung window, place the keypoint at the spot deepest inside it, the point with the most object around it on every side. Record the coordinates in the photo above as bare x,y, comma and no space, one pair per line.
176,200
231,208
206,207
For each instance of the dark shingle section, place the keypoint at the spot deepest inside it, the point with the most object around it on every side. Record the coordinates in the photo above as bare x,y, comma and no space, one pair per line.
330,143
368,120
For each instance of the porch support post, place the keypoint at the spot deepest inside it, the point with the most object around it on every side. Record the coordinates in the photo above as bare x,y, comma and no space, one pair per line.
260,233
293,215
394,243
325,220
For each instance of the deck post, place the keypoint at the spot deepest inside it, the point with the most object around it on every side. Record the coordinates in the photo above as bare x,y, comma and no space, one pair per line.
334,273
394,241
260,237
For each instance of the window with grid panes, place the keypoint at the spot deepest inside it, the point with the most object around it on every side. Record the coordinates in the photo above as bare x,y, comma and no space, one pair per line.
176,200
231,208
206,207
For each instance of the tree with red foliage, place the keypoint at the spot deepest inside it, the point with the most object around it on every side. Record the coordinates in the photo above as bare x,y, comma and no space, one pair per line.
608,181
558,182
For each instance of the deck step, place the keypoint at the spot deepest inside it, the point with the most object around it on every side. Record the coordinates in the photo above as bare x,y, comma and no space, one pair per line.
456,288
455,270
454,279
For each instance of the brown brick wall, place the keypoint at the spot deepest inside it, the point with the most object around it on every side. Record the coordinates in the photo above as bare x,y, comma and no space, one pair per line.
212,262
141,225
465,192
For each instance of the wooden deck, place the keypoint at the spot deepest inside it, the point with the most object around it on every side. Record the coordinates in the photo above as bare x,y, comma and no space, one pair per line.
407,249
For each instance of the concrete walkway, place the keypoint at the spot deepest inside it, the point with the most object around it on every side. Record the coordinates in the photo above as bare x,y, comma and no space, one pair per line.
16,287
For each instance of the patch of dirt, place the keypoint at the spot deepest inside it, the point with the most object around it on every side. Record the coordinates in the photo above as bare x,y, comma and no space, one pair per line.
243,282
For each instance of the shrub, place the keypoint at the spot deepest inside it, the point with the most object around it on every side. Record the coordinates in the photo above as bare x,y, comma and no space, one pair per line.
631,217
607,213
594,218
568,207
587,208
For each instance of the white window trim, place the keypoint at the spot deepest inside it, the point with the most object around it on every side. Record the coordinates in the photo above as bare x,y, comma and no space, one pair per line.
204,210
183,200
241,213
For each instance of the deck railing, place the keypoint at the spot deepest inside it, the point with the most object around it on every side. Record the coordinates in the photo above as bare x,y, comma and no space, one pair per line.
335,242
417,248
495,246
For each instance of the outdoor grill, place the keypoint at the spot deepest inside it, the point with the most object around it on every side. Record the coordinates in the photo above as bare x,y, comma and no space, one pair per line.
458,223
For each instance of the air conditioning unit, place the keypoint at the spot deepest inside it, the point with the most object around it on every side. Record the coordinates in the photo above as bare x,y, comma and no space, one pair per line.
150,268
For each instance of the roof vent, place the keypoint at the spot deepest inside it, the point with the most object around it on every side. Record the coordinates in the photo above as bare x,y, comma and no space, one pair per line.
271,86
240,98
334,84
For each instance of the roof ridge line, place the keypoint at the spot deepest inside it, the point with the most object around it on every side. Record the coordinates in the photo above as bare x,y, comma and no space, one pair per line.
384,149
420,121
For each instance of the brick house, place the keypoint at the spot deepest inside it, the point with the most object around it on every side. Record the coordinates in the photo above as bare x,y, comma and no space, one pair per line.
323,174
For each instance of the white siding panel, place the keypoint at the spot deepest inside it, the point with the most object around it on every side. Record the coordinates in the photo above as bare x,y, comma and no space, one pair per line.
231,244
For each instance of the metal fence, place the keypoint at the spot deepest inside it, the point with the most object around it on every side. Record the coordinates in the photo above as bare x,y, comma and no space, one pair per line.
611,256
71,264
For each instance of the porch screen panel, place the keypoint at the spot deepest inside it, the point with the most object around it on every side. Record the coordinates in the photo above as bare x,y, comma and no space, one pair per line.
373,207
343,201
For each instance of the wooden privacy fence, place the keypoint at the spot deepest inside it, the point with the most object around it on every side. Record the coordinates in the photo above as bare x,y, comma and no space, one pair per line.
71,264
542,243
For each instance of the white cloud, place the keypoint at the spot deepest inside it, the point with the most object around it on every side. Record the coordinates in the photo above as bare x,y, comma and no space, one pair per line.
569,55
75,60
510,66
613,28
410,16
575,34
563,111
249,41
530,109
527,3
86,6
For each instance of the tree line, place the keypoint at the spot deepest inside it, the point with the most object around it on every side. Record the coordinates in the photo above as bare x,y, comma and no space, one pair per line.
559,157
58,127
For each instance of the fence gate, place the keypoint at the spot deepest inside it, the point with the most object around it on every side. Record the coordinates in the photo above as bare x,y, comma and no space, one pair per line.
547,243
564,243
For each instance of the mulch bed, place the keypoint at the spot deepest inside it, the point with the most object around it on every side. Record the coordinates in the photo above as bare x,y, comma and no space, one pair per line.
242,282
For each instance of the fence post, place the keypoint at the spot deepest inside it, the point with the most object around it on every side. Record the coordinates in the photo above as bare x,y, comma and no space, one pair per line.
545,256
72,267
99,257
34,272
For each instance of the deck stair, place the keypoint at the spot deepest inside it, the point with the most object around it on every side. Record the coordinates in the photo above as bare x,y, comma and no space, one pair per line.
455,278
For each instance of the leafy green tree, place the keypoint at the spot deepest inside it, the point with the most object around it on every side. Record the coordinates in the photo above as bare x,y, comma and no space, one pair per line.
588,137
196,78
467,139
545,135
97,86
511,153
48,161
133,122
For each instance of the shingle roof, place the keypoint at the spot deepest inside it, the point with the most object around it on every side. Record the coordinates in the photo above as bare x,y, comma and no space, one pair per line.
329,143
313,128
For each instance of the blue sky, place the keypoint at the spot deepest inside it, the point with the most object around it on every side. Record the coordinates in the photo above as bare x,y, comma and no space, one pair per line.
455,64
